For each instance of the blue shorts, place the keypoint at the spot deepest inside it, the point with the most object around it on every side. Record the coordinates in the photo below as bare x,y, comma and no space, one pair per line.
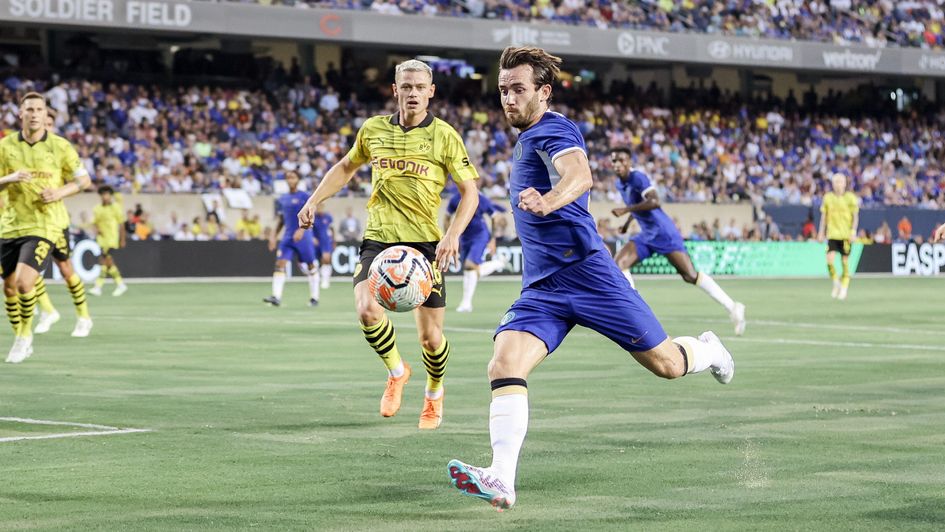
303,250
325,245
474,248
661,245
592,293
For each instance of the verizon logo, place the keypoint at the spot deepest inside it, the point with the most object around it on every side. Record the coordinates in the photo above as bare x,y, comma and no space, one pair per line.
852,61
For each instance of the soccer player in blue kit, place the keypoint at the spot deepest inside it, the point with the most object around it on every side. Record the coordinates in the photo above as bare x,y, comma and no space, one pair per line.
569,277
658,235
326,242
296,242
475,241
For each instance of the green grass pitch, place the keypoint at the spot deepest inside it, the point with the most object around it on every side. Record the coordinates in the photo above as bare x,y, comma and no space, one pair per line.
266,418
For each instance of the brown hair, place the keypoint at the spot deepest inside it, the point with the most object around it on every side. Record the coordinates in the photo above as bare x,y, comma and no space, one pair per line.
545,66
50,112
32,95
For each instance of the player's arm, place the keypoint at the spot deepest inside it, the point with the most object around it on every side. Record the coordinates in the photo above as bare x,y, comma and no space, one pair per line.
336,178
275,234
19,176
447,251
79,179
575,181
822,230
856,223
939,234
122,234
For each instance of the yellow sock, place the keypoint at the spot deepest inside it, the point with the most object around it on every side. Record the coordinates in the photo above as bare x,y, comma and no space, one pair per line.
12,305
116,275
383,339
45,303
435,363
102,275
27,304
77,289
833,271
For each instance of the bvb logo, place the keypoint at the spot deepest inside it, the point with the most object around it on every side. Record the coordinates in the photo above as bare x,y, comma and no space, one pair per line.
424,147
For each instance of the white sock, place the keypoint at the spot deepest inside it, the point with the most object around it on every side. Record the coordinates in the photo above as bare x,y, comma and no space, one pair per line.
326,275
313,290
433,396
490,267
397,372
715,291
508,423
278,283
699,355
626,273
470,278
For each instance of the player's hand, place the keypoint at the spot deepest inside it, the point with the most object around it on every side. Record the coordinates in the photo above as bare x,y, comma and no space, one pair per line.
939,234
298,234
272,244
530,200
50,195
20,176
307,215
447,251
821,237
491,247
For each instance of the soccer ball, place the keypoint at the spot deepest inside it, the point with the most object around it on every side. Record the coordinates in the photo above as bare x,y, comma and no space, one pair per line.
400,278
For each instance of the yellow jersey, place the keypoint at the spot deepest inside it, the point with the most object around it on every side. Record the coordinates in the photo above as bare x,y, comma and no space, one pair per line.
839,210
409,167
52,162
108,220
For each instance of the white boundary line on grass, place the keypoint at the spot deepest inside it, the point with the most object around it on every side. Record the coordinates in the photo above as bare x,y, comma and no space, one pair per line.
105,430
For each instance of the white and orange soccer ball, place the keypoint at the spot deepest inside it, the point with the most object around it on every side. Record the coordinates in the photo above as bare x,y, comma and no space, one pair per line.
400,278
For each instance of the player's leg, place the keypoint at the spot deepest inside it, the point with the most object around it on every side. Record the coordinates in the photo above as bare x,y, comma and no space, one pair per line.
83,324
307,255
284,254
435,351
325,273
105,262
845,275
378,330
683,263
831,269
626,257
48,315
10,299
34,256
472,252
120,286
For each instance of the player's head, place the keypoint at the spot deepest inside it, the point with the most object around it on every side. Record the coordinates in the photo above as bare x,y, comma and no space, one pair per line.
106,192
413,86
621,160
50,119
292,179
839,182
33,112
526,75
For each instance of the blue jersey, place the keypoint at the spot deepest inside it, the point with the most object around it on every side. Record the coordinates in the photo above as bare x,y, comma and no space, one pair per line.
568,235
477,225
289,206
653,223
322,226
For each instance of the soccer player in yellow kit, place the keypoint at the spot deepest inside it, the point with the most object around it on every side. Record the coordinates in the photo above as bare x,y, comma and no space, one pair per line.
39,169
839,216
411,153
108,219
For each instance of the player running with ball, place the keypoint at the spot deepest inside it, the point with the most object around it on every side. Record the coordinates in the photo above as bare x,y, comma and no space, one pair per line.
569,277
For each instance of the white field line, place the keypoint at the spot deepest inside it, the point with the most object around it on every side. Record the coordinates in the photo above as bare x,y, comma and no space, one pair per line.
104,430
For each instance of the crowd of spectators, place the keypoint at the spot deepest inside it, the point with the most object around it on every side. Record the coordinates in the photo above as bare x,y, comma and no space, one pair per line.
910,23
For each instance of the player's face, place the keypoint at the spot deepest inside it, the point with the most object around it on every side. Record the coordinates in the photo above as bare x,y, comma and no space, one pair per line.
50,123
106,198
522,101
839,184
293,181
621,162
413,90
33,115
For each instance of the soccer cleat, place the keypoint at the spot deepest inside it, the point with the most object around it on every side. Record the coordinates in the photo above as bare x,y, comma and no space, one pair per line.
120,289
843,293
95,290
325,283
46,321
482,484
738,318
464,308
390,401
21,350
836,290
272,301
432,414
725,371
313,302
83,326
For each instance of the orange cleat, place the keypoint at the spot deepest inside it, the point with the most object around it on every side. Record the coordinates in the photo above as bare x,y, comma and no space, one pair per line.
390,401
432,414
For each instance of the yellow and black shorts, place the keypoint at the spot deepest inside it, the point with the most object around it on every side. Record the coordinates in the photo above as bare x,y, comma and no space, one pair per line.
841,246
33,251
372,248
61,248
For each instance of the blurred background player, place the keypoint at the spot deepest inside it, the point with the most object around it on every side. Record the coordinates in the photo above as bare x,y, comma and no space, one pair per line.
411,152
658,235
325,236
568,279
939,234
38,168
839,216
61,256
296,242
109,219
475,242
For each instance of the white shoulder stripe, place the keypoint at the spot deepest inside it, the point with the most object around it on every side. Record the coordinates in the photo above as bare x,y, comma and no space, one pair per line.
567,151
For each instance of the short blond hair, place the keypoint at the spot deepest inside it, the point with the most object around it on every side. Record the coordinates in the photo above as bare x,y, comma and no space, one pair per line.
412,65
